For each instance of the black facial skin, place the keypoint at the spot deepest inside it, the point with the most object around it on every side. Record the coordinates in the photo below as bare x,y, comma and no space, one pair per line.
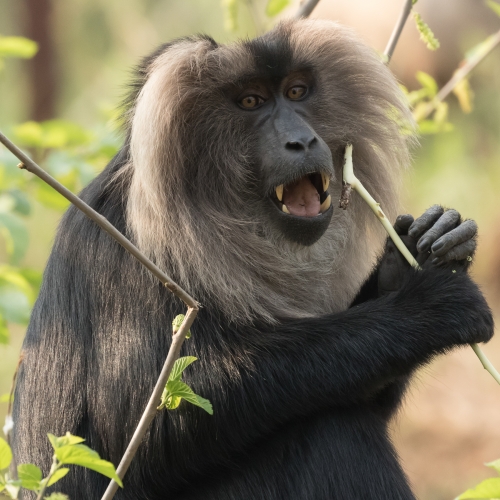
288,148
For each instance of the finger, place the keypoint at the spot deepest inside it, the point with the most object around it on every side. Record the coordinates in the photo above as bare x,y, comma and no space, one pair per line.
462,252
403,222
460,234
425,221
445,223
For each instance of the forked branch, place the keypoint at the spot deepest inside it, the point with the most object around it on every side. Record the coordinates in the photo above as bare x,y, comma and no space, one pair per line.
177,340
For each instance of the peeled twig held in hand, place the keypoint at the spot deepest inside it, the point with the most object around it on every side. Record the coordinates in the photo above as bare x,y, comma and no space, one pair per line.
177,340
350,181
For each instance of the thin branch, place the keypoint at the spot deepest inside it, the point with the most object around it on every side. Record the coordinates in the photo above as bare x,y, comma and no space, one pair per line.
177,340
464,69
151,409
350,179
396,33
28,164
306,8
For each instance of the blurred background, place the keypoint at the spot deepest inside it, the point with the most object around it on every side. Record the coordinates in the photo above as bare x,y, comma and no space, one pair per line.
61,104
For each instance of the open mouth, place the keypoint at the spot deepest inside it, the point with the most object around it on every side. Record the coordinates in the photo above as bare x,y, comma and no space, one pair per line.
304,197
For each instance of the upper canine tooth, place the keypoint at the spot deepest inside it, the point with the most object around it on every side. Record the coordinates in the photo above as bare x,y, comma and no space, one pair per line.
279,192
326,181
285,209
326,204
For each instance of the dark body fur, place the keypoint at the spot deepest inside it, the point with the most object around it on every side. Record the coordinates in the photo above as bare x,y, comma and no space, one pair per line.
301,404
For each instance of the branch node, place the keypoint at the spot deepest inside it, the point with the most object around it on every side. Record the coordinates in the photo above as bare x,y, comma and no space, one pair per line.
22,166
345,196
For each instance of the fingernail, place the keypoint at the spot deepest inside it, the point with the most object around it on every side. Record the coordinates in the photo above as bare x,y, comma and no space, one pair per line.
437,246
423,245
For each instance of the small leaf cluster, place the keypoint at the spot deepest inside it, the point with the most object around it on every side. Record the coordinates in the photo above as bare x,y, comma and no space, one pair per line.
176,390
488,489
73,155
424,104
176,324
68,450
426,34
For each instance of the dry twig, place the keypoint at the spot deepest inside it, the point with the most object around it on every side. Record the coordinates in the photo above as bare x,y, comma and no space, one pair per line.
177,340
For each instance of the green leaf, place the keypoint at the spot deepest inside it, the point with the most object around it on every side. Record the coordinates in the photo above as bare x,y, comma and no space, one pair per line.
50,198
5,454
33,277
428,83
29,134
489,489
51,134
57,496
6,398
79,454
16,46
464,94
427,127
15,234
494,465
494,6
67,439
179,366
22,204
4,331
30,476
230,14
426,34
58,474
178,389
14,277
274,7
14,304
441,114
7,202
176,324
13,487
416,96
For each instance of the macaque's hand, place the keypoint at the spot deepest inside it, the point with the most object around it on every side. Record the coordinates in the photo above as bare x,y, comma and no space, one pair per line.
436,238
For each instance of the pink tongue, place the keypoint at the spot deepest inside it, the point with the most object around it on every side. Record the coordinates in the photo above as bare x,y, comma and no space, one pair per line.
302,198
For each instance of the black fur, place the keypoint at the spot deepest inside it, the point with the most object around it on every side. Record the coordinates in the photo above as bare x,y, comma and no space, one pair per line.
301,406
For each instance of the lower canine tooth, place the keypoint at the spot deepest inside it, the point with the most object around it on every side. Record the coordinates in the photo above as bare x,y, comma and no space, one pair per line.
279,192
285,209
326,181
325,205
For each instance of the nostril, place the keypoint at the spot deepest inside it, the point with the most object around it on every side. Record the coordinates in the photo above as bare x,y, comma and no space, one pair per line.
294,145
312,142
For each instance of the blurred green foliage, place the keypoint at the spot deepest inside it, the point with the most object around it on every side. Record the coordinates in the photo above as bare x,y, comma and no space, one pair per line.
97,40
73,155
70,153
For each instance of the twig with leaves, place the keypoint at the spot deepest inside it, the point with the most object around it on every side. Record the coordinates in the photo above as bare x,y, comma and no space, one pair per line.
177,339
350,181
474,57
68,450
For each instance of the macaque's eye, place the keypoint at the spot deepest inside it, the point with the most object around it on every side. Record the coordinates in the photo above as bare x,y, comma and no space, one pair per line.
296,92
251,101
